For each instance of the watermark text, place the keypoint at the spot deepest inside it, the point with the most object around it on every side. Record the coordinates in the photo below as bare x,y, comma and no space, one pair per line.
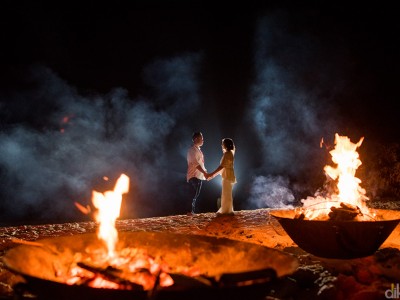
394,292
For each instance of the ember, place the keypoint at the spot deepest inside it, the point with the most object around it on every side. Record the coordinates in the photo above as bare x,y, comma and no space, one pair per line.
133,270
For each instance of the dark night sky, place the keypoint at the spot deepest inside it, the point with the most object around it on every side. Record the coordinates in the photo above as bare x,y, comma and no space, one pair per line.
136,80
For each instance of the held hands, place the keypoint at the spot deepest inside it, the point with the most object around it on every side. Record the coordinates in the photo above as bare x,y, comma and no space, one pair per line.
209,176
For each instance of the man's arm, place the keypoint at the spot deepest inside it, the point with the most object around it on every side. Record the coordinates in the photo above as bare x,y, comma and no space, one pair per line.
201,169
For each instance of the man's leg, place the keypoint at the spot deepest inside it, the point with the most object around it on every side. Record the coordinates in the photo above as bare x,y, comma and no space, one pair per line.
196,184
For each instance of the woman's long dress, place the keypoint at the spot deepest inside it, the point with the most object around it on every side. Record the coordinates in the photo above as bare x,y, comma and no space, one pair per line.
228,180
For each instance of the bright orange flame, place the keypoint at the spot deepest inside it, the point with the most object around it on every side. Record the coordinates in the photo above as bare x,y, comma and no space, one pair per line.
347,161
109,205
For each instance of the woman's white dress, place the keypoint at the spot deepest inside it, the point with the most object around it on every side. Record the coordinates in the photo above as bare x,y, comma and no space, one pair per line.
228,180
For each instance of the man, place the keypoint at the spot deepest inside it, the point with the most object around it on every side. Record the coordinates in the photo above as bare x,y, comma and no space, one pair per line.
196,170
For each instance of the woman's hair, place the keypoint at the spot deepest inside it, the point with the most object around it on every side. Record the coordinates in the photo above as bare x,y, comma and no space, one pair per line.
228,144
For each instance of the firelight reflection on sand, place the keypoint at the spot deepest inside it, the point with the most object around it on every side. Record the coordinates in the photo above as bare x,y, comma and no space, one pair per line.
347,161
109,206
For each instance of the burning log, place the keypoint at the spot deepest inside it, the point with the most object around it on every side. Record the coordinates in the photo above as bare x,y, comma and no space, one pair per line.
132,269
247,278
345,212
192,281
113,274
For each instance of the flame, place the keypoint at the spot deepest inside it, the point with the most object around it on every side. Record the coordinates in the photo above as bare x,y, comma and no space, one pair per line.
109,205
347,161
131,264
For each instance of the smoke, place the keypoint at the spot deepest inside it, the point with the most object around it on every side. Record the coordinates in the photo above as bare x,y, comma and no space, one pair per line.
71,141
57,143
273,192
291,108
173,82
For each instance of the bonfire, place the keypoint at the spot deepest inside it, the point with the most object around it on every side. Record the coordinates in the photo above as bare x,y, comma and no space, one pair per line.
349,202
339,225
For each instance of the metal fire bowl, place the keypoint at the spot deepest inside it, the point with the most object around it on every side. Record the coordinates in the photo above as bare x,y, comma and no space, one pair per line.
339,239
231,264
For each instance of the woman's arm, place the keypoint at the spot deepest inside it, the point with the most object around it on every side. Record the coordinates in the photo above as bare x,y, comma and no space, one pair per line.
215,172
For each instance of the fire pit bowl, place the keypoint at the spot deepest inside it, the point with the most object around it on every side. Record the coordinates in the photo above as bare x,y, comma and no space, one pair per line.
337,238
228,268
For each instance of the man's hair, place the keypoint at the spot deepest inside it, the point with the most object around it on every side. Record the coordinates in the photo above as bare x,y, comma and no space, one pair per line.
196,135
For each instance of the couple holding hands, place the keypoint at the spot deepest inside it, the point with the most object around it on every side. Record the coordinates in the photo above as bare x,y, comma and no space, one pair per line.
197,172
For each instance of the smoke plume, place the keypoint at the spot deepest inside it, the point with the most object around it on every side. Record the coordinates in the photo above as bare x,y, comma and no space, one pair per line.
290,108
269,191
71,141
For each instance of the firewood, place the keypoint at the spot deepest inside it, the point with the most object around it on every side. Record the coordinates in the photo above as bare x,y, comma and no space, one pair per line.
110,273
345,212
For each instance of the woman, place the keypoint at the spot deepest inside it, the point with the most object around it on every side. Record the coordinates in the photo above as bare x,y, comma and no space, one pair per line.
227,172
